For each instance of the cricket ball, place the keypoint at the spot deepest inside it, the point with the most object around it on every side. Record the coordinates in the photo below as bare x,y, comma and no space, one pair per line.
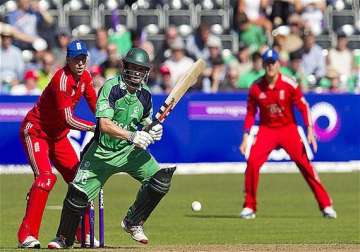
196,206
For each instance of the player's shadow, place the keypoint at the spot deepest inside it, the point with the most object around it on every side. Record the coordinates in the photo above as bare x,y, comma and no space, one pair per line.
234,216
213,216
288,216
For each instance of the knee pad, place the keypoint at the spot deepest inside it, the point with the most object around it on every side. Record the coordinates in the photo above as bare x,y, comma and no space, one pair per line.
45,181
75,198
160,182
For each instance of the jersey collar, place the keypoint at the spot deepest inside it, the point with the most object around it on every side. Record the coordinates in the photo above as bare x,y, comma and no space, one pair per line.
69,73
277,83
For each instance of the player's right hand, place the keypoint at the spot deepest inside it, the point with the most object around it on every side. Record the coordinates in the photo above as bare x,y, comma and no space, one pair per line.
243,144
141,139
311,138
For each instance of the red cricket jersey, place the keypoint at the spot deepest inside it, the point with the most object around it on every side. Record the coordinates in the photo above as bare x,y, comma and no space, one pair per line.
53,113
276,105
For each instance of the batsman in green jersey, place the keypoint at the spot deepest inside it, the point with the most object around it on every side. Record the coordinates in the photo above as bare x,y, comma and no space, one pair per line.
124,105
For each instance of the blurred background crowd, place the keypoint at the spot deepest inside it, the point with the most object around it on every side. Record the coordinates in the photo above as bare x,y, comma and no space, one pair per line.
318,41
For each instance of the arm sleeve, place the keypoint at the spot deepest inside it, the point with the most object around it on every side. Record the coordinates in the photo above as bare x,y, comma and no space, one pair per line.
90,94
63,103
147,117
75,123
148,111
300,102
105,103
146,100
251,111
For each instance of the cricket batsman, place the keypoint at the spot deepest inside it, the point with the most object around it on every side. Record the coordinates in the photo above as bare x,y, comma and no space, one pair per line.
275,94
44,136
123,106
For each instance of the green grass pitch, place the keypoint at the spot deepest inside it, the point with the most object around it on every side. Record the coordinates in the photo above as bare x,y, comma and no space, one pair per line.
287,211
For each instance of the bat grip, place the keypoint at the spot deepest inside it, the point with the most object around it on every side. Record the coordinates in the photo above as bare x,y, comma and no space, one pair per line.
152,124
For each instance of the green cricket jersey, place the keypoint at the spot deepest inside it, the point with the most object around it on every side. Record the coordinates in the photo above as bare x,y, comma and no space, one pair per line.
124,109
107,155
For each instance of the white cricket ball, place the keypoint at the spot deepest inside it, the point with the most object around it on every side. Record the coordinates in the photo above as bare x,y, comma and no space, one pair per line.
196,206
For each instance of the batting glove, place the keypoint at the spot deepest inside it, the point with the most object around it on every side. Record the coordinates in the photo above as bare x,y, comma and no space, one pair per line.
141,139
156,131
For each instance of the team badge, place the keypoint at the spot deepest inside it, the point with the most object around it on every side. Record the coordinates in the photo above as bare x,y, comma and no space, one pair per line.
36,147
282,94
135,112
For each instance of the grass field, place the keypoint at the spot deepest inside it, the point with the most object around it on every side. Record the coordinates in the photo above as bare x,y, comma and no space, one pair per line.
287,214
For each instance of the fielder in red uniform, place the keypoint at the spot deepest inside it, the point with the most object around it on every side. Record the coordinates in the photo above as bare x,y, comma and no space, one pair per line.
275,94
44,136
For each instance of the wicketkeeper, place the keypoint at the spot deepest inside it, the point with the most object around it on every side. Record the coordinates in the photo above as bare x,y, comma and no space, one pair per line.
44,136
124,103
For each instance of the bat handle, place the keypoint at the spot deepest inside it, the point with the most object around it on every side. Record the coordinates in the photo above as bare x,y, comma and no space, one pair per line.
148,127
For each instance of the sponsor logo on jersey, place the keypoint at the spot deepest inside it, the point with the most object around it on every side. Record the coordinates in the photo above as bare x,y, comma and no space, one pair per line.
274,109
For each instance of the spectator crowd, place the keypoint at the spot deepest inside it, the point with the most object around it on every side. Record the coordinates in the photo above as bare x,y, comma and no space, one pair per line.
28,58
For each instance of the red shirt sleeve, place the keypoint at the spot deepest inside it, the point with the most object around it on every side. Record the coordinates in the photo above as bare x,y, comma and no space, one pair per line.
300,102
63,103
251,110
89,93
62,95
76,123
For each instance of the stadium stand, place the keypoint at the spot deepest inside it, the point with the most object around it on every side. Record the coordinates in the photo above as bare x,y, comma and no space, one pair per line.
152,18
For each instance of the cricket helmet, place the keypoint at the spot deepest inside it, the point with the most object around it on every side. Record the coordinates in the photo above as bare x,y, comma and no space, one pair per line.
136,67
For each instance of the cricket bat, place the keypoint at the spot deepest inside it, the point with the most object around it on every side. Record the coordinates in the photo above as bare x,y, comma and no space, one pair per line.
182,85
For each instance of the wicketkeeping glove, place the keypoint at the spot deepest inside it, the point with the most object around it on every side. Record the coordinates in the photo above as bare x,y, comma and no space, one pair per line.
141,139
156,131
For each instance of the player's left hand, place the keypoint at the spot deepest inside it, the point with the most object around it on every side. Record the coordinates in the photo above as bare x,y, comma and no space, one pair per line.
156,131
311,138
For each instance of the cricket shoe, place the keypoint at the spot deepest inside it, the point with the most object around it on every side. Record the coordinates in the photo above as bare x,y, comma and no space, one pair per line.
57,243
136,232
30,242
247,213
329,212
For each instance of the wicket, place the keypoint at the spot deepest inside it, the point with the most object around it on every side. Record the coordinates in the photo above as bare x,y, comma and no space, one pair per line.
92,223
